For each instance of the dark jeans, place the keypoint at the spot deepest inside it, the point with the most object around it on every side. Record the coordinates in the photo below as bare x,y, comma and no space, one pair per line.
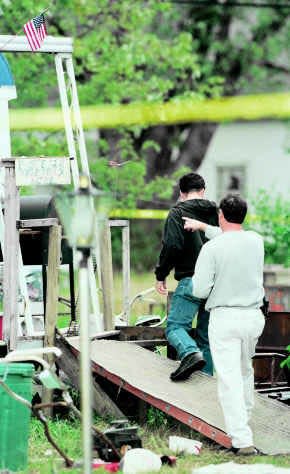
183,309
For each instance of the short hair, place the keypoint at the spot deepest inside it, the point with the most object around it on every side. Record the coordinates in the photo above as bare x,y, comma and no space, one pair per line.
234,208
191,182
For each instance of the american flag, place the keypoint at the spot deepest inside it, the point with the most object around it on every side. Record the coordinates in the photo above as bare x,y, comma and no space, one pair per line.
35,31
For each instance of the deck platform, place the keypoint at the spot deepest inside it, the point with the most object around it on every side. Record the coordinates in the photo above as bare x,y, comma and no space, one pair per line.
193,402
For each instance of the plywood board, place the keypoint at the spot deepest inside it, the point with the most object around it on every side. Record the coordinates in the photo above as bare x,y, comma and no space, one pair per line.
194,402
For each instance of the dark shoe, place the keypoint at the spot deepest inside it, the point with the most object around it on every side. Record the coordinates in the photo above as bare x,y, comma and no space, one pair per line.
248,451
188,365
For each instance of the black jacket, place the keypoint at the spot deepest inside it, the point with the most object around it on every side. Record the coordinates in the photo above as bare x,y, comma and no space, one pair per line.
181,247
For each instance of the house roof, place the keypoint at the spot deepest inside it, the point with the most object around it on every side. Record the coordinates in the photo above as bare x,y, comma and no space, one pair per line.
6,78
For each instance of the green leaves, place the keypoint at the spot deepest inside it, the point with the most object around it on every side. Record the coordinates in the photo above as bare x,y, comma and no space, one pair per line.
273,223
126,51
286,362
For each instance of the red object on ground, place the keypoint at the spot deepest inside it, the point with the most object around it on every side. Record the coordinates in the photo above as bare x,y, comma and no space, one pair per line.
170,460
108,466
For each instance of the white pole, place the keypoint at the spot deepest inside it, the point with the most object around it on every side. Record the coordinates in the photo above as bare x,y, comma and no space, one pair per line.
77,117
10,259
67,119
85,364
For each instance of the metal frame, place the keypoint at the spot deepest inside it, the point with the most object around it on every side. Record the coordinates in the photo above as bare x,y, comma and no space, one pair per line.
77,148
67,115
63,48
125,225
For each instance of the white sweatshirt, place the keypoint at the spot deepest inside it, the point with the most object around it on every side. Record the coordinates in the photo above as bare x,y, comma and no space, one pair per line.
229,269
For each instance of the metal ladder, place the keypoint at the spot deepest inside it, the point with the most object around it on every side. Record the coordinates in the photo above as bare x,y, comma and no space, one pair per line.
77,149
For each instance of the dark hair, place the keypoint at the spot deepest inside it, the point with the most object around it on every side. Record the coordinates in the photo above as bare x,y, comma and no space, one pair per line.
191,182
234,208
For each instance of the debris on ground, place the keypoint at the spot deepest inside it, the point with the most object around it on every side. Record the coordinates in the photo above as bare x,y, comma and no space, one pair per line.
178,444
233,468
140,460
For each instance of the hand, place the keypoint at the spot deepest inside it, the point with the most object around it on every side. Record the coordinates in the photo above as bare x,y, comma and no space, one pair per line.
193,224
161,288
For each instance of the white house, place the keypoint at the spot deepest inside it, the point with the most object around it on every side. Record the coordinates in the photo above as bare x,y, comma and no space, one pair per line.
246,157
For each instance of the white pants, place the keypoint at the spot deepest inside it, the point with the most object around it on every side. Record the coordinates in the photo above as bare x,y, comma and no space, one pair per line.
233,335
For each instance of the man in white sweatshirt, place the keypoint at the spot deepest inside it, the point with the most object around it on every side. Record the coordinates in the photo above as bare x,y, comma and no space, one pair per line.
229,273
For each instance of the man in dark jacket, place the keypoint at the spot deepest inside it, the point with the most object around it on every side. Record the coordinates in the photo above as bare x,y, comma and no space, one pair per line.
180,251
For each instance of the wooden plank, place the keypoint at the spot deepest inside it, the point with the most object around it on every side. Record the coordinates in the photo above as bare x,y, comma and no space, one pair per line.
11,255
30,338
101,335
146,375
52,284
102,404
12,159
51,298
149,343
28,223
51,44
194,402
39,171
107,335
118,223
128,333
107,276
126,271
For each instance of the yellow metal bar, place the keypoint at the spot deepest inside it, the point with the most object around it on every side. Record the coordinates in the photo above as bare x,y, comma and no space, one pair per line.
251,107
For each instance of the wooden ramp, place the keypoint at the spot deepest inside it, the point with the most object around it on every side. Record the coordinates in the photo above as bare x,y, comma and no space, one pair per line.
193,402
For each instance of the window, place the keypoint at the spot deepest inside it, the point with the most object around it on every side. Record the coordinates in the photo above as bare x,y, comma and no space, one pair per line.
230,179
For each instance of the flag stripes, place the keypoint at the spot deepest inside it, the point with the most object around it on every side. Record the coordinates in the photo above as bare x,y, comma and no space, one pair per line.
35,31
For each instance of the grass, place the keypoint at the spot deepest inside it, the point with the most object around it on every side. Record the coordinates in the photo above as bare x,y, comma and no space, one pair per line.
139,283
43,459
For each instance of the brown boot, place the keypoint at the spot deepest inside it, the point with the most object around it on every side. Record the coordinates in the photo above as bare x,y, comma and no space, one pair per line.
247,451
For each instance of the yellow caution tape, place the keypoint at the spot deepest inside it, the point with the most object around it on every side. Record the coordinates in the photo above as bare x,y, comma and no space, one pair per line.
250,107
139,213
162,214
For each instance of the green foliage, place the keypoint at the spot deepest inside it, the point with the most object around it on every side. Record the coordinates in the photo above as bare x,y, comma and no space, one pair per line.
155,418
123,53
243,48
125,183
145,245
151,50
286,362
272,221
38,144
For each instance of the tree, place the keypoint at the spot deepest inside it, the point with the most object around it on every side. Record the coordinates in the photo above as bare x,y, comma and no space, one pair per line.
150,50
124,51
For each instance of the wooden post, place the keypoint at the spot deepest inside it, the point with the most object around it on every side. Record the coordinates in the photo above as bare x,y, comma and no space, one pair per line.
126,270
107,276
10,257
124,224
51,298
52,284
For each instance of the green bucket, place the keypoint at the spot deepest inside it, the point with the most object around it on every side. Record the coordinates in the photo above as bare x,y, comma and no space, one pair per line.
14,416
